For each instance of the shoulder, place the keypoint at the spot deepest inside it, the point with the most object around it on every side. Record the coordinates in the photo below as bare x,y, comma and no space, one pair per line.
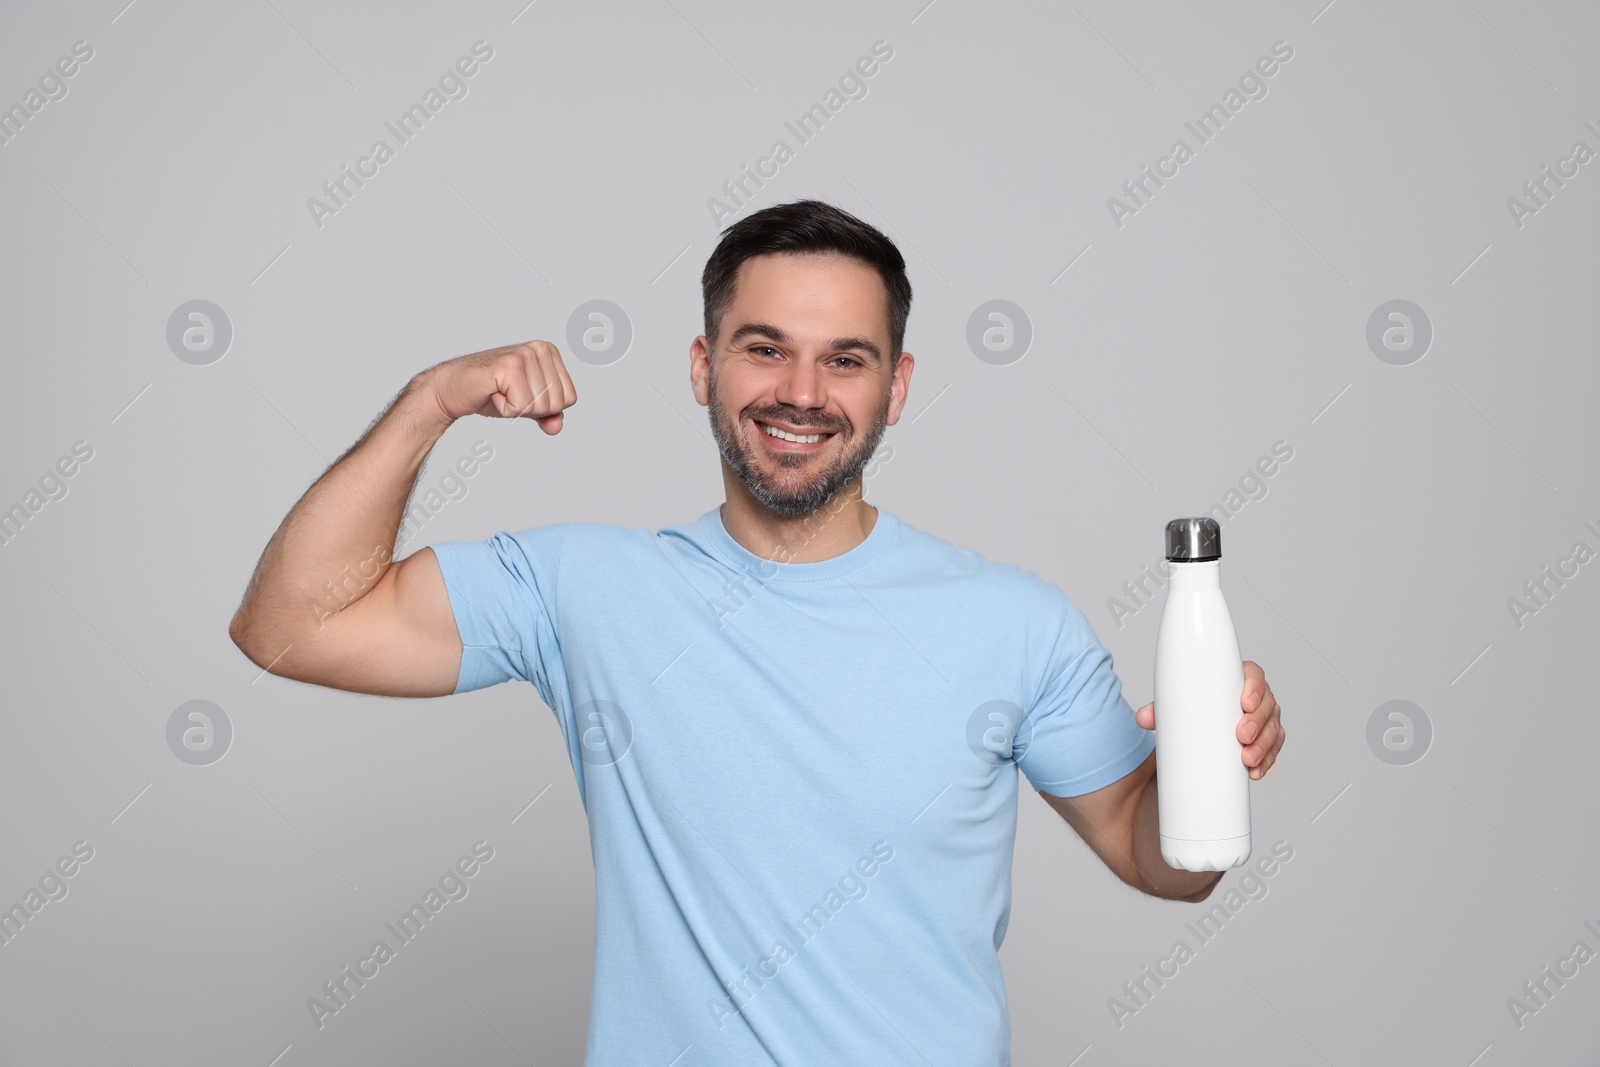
599,549
1023,591
576,536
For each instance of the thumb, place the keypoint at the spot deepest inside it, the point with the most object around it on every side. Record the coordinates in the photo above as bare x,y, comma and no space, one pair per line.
1146,716
551,424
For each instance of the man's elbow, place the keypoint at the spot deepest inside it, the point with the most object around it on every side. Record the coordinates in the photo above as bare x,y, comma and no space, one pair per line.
238,633
246,640
1202,894
1190,895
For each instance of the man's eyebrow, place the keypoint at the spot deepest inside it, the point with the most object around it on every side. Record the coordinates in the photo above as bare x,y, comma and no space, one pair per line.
765,329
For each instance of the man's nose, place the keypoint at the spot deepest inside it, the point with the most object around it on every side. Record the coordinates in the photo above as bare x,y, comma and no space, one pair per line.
801,385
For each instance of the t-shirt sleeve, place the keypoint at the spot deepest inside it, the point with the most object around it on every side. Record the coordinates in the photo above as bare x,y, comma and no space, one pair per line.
502,592
1080,733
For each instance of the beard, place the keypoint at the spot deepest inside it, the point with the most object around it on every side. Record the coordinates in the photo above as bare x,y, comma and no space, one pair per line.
797,488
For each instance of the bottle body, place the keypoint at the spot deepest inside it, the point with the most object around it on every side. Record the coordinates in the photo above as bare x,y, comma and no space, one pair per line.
1202,784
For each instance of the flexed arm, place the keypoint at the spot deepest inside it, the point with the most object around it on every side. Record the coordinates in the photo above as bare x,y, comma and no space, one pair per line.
326,603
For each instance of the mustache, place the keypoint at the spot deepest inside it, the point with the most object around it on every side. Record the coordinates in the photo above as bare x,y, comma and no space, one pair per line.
795,420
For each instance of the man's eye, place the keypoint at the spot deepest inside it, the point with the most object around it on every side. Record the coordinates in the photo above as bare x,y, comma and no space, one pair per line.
764,348
847,359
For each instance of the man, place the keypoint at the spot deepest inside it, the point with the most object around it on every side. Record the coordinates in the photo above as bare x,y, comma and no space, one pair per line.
795,723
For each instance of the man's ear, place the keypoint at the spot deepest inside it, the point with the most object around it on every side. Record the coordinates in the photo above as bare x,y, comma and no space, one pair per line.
699,369
900,386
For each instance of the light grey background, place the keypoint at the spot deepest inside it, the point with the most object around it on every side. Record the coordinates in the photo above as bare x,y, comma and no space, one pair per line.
1168,354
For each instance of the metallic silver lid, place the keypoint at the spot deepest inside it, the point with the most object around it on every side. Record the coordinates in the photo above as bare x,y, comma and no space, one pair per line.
1193,540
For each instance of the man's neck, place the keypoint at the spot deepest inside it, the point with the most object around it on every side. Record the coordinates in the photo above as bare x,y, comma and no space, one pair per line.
832,530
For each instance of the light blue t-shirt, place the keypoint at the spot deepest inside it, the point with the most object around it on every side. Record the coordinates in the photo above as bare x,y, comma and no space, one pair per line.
800,778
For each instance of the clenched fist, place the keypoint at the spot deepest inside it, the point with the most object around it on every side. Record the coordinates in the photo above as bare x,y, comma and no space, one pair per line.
517,381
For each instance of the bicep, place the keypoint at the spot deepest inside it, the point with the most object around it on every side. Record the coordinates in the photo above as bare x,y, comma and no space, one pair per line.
1105,818
398,639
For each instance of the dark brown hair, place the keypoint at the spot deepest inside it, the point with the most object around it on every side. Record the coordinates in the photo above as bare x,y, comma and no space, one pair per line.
802,227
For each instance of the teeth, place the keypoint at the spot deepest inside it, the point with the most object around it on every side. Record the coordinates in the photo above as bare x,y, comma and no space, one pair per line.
773,431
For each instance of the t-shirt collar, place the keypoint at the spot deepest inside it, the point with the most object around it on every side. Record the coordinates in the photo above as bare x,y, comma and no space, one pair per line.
717,537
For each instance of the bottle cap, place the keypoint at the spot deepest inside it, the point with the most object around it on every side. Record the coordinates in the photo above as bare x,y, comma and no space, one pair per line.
1193,540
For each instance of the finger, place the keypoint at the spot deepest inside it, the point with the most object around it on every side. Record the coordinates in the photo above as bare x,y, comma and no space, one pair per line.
1255,684
1259,756
1253,723
1254,753
493,406
515,386
1146,716
1272,757
1260,771
546,392
543,387
556,370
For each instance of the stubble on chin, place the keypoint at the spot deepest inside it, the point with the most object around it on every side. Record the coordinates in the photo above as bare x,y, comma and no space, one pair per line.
741,458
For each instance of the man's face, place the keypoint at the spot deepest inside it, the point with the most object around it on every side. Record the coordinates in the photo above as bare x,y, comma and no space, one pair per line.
802,348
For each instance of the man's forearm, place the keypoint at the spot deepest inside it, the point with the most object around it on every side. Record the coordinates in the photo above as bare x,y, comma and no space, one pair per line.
337,541
1157,878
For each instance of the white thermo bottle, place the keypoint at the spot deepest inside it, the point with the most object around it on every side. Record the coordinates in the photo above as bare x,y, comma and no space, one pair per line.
1202,784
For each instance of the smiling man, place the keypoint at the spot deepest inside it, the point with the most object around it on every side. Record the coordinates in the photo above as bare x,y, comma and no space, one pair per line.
796,722
794,438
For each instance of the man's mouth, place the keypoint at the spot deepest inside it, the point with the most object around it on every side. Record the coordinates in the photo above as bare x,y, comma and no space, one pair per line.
792,439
